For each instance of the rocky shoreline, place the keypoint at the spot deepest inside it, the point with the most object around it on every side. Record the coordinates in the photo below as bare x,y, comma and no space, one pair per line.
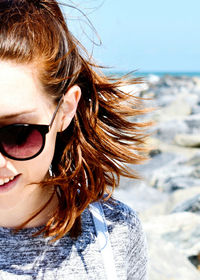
168,199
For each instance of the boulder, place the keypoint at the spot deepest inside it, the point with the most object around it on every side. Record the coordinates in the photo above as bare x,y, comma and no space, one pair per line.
165,131
177,182
191,99
189,205
192,122
172,241
153,79
196,81
187,140
182,230
138,196
167,263
176,110
171,202
172,226
170,175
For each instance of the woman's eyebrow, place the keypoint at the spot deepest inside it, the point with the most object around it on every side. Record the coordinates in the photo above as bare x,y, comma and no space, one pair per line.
17,114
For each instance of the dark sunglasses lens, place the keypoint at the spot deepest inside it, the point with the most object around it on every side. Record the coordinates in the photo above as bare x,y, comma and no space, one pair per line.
21,141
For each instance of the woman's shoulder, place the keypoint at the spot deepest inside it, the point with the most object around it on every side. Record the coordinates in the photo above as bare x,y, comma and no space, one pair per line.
127,238
117,212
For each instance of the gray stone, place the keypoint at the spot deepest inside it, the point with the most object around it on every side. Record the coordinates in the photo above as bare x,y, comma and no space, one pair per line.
190,205
140,196
195,109
196,172
187,140
170,203
153,79
182,230
170,176
165,100
193,123
176,150
166,131
190,98
159,160
194,160
154,152
172,240
196,81
176,110
174,170
167,263
171,184
169,172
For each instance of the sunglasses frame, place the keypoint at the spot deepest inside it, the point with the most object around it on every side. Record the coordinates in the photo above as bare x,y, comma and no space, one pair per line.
42,128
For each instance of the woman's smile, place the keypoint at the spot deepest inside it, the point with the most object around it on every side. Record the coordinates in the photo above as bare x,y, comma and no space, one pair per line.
8,183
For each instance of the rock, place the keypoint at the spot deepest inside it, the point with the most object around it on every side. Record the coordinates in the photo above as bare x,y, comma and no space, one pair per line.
134,89
195,109
172,241
170,203
194,160
153,79
172,148
159,160
192,122
179,179
173,225
154,153
176,110
169,172
165,131
176,183
167,263
190,205
140,196
187,140
165,100
182,230
191,99
196,81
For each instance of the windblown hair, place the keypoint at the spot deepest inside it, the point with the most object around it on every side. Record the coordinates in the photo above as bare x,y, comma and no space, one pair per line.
92,153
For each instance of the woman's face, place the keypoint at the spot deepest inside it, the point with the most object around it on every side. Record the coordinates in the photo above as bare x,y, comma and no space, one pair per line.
22,95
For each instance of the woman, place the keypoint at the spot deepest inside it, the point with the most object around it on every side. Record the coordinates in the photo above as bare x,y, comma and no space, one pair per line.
64,139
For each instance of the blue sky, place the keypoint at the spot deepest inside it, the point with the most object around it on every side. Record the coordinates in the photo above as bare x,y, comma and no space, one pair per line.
149,35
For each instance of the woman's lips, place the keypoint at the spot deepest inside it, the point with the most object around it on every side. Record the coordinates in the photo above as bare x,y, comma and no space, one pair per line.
10,184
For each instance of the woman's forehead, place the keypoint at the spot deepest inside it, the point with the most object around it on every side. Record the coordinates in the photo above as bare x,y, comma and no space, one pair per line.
20,88
12,75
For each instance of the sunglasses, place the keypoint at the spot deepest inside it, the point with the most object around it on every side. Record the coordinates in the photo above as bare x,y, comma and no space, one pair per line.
25,141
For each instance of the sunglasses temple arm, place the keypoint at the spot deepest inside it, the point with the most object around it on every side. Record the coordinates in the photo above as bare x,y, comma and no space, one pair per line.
57,108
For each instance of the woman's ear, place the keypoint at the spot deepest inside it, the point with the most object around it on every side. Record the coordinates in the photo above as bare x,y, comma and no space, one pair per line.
69,106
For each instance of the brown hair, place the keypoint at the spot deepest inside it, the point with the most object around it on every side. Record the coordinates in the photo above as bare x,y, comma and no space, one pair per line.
91,154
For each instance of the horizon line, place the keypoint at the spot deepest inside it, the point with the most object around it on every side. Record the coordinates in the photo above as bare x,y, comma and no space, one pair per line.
155,71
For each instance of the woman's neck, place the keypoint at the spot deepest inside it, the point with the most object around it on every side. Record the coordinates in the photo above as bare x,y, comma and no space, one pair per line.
40,210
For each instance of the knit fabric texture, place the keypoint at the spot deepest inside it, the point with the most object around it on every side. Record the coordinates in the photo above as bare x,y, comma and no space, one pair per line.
24,257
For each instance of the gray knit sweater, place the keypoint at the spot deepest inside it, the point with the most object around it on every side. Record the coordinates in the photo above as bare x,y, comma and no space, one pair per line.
24,257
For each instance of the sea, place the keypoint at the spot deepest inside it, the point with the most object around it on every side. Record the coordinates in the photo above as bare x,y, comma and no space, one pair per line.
154,73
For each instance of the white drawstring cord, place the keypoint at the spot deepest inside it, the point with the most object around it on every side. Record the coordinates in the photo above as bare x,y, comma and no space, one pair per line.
103,239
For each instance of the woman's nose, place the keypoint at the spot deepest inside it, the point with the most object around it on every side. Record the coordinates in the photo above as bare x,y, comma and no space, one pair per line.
2,161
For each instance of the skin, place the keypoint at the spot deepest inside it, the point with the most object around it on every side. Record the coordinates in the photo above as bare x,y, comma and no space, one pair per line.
22,93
